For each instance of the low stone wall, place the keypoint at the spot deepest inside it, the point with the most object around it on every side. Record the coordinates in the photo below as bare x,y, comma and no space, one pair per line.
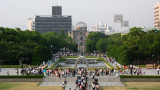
22,80
140,79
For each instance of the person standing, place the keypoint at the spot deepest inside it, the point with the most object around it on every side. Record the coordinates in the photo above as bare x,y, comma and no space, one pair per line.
8,73
17,71
157,70
0,68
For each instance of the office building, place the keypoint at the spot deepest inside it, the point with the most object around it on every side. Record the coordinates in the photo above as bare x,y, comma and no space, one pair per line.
157,16
55,22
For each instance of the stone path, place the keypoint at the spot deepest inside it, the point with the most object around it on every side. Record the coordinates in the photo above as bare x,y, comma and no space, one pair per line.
103,81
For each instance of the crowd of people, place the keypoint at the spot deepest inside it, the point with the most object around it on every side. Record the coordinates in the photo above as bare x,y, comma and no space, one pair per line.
74,72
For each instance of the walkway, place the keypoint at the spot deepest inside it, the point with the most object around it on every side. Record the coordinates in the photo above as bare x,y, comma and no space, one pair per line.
50,62
103,81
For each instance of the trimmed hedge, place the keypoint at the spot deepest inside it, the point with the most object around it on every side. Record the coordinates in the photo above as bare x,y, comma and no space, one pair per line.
10,66
141,65
118,67
21,76
61,59
71,57
78,56
14,66
90,56
137,76
102,59
58,68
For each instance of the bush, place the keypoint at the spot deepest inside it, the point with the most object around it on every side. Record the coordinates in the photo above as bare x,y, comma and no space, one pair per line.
118,67
102,59
61,59
90,56
78,56
136,76
15,66
71,57
141,65
10,66
21,76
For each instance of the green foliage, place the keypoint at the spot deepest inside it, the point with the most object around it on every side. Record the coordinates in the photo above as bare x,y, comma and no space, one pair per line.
10,66
15,66
135,47
71,57
102,59
78,56
101,45
39,54
16,44
21,76
92,40
137,76
141,65
31,45
58,41
90,56
60,59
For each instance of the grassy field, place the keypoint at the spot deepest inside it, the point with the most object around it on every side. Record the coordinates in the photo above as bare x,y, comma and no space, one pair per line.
26,86
137,86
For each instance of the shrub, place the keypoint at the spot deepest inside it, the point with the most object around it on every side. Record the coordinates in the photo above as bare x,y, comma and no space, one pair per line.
102,59
136,76
15,66
90,56
71,57
21,76
61,59
141,65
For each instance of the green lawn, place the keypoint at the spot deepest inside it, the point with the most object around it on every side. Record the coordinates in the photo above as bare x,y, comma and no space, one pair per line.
136,86
26,86
6,86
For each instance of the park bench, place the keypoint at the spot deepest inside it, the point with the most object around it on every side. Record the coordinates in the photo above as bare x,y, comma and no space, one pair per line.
149,66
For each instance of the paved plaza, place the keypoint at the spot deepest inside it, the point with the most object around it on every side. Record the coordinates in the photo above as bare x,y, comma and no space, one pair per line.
102,80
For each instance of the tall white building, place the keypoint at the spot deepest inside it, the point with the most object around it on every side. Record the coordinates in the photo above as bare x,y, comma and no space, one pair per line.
101,28
157,15
31,24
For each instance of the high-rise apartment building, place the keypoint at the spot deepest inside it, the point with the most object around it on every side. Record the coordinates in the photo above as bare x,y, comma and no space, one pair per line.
157,15
55,22
31,25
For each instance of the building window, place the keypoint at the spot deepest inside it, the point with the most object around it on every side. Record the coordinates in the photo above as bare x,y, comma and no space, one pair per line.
81,38
81,43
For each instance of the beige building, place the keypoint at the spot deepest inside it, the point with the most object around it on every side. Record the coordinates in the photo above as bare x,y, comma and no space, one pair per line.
79,35
31,25
157,15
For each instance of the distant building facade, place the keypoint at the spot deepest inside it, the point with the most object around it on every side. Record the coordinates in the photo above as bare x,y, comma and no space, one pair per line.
101,28
55,22
79,35
31,24
157,15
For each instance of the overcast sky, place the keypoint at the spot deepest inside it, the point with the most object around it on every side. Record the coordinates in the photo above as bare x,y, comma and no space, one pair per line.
14,13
